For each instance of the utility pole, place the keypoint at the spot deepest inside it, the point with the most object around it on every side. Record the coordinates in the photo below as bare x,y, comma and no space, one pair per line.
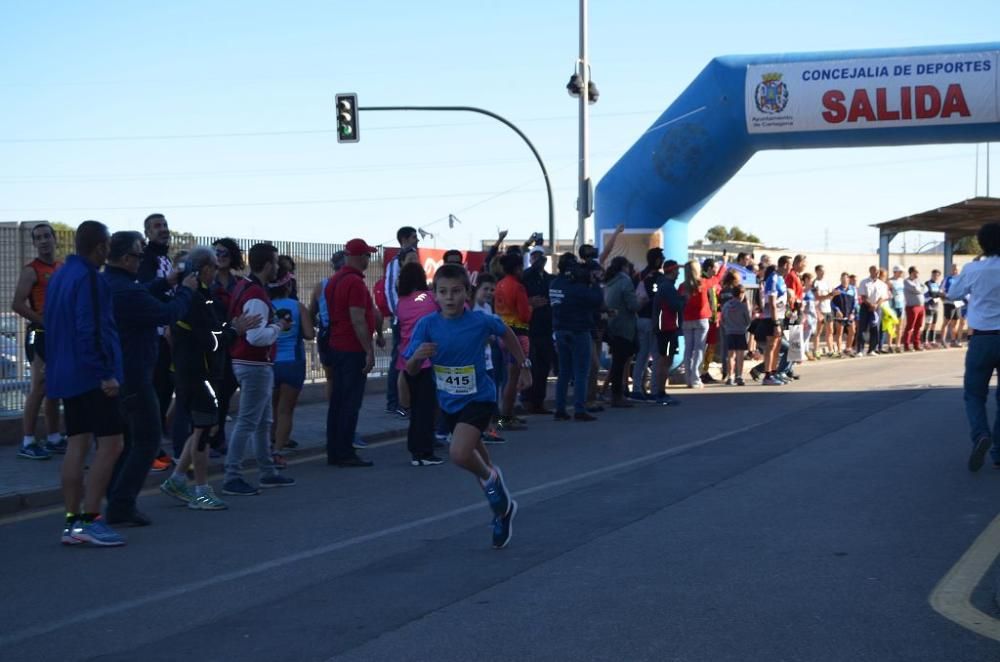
584,202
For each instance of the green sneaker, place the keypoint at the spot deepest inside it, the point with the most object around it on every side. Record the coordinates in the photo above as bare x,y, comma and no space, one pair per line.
207,501
174,489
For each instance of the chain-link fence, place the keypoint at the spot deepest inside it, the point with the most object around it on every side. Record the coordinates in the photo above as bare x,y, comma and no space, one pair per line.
312,265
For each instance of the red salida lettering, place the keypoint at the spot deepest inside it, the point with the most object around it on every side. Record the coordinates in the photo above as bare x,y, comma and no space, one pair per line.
835,112
954,102
861,107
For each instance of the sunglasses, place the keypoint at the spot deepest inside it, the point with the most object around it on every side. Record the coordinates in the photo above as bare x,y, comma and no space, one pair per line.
221,252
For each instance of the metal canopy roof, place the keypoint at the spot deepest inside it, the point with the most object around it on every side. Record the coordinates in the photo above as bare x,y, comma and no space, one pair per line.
956,220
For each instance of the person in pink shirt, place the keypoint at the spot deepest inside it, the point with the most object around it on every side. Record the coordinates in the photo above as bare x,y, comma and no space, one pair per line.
416,302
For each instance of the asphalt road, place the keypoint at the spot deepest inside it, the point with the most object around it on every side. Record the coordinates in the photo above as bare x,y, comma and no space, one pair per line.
808,522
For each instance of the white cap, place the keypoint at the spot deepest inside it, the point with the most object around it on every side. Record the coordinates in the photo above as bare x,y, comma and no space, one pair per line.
897,268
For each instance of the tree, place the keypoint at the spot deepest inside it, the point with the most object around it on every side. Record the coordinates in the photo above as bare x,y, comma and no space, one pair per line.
717,234
968,246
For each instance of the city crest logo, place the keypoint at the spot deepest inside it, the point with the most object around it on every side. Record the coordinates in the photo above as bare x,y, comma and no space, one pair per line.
771,95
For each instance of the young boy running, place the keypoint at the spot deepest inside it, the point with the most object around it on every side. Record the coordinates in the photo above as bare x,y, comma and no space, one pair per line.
453,340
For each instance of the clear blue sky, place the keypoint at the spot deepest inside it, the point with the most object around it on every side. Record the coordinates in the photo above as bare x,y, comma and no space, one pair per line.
75,70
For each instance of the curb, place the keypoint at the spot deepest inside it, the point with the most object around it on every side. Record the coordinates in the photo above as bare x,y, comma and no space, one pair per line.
16,502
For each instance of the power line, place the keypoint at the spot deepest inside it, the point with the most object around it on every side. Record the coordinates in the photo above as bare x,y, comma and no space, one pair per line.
275,203
298,132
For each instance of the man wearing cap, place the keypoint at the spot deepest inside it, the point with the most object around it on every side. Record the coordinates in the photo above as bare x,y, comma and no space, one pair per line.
352,324
537,282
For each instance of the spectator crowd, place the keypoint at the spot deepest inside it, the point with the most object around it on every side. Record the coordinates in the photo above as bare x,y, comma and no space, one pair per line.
138,344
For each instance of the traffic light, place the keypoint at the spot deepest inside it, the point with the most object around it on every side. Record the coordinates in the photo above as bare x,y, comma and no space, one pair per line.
347,118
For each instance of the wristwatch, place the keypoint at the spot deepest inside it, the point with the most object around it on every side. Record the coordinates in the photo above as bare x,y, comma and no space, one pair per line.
526,364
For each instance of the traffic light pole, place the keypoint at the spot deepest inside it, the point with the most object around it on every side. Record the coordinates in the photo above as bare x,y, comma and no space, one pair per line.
481,111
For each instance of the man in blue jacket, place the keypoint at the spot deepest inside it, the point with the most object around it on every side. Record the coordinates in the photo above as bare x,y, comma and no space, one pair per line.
139,311
575,300
85,372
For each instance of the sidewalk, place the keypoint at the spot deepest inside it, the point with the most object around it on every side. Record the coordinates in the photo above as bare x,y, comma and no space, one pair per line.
35,483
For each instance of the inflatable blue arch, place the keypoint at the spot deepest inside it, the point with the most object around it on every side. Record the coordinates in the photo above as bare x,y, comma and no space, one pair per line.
739,105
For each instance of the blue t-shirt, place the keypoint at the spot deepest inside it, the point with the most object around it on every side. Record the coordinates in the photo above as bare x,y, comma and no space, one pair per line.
290,348
775,285
460,362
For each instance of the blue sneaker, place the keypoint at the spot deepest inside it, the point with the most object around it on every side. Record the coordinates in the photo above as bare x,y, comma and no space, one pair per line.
67,536
503,527
239,487
33,452
497,495
359,443
97,533
57,447
274,480
666,401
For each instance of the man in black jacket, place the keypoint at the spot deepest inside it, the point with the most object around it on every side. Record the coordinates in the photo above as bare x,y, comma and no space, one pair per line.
576,298
156,264
138,314
536,282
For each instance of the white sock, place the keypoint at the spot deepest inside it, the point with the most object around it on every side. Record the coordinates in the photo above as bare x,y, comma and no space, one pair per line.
27,441
55,438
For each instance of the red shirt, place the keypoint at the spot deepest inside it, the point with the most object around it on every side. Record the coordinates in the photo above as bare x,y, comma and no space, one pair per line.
697,306
346,290
794,284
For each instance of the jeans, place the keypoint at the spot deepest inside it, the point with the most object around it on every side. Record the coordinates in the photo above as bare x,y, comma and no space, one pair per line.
253,421
542,353
647,351
982,359
349,379
574,363
141,410
392,386
423,407
621,350
695,335
868,329
914,324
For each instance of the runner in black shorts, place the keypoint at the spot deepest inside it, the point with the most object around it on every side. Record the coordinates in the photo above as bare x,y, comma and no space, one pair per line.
453,342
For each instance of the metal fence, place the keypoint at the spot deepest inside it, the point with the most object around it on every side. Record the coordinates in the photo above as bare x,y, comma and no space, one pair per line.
312,265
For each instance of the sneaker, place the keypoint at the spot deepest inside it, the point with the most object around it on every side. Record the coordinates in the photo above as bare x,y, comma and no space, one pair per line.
173,488
359,443
708,379
638,397
207,501
239,487
771,380
67,536
33,452
57,447
491,437
427,461
978,456
509,423
666,401
162,463
402,413
97,533
496,494
279,461
561,416
584,417
739,381
729,382
275,481
503,527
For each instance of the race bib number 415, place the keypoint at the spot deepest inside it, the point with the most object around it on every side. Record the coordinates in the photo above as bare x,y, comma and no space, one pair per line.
456,380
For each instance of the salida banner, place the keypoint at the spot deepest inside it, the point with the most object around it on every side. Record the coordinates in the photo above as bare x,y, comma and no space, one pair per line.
432,258
870,93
